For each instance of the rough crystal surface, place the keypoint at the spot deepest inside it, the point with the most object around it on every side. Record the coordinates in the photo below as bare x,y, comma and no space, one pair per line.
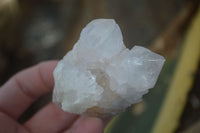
100,76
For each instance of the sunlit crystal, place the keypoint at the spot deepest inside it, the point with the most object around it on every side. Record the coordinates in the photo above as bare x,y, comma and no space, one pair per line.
100,76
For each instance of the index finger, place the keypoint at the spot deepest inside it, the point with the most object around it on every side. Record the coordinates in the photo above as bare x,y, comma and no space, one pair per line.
25,87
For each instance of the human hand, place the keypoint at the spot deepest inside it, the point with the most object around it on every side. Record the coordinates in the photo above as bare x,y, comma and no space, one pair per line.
23,89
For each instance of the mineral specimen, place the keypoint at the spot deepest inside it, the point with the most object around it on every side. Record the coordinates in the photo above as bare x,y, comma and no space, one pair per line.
100,76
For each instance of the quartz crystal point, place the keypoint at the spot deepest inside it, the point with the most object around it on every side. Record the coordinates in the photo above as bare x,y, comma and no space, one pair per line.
100,76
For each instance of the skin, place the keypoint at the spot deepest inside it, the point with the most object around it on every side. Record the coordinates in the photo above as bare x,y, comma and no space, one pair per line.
23,89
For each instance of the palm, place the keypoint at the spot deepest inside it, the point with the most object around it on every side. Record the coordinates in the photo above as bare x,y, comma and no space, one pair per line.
23,89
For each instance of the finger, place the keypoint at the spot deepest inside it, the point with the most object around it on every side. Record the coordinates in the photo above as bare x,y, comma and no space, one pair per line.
86,125
8,125
51,119
25,87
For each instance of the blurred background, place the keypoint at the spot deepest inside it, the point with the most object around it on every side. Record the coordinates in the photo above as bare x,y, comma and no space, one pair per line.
32,31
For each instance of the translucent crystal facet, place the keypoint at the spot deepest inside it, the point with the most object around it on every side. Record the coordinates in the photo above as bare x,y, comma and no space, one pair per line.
100,76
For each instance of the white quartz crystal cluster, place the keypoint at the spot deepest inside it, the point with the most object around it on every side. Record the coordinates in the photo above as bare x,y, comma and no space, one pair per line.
100,76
